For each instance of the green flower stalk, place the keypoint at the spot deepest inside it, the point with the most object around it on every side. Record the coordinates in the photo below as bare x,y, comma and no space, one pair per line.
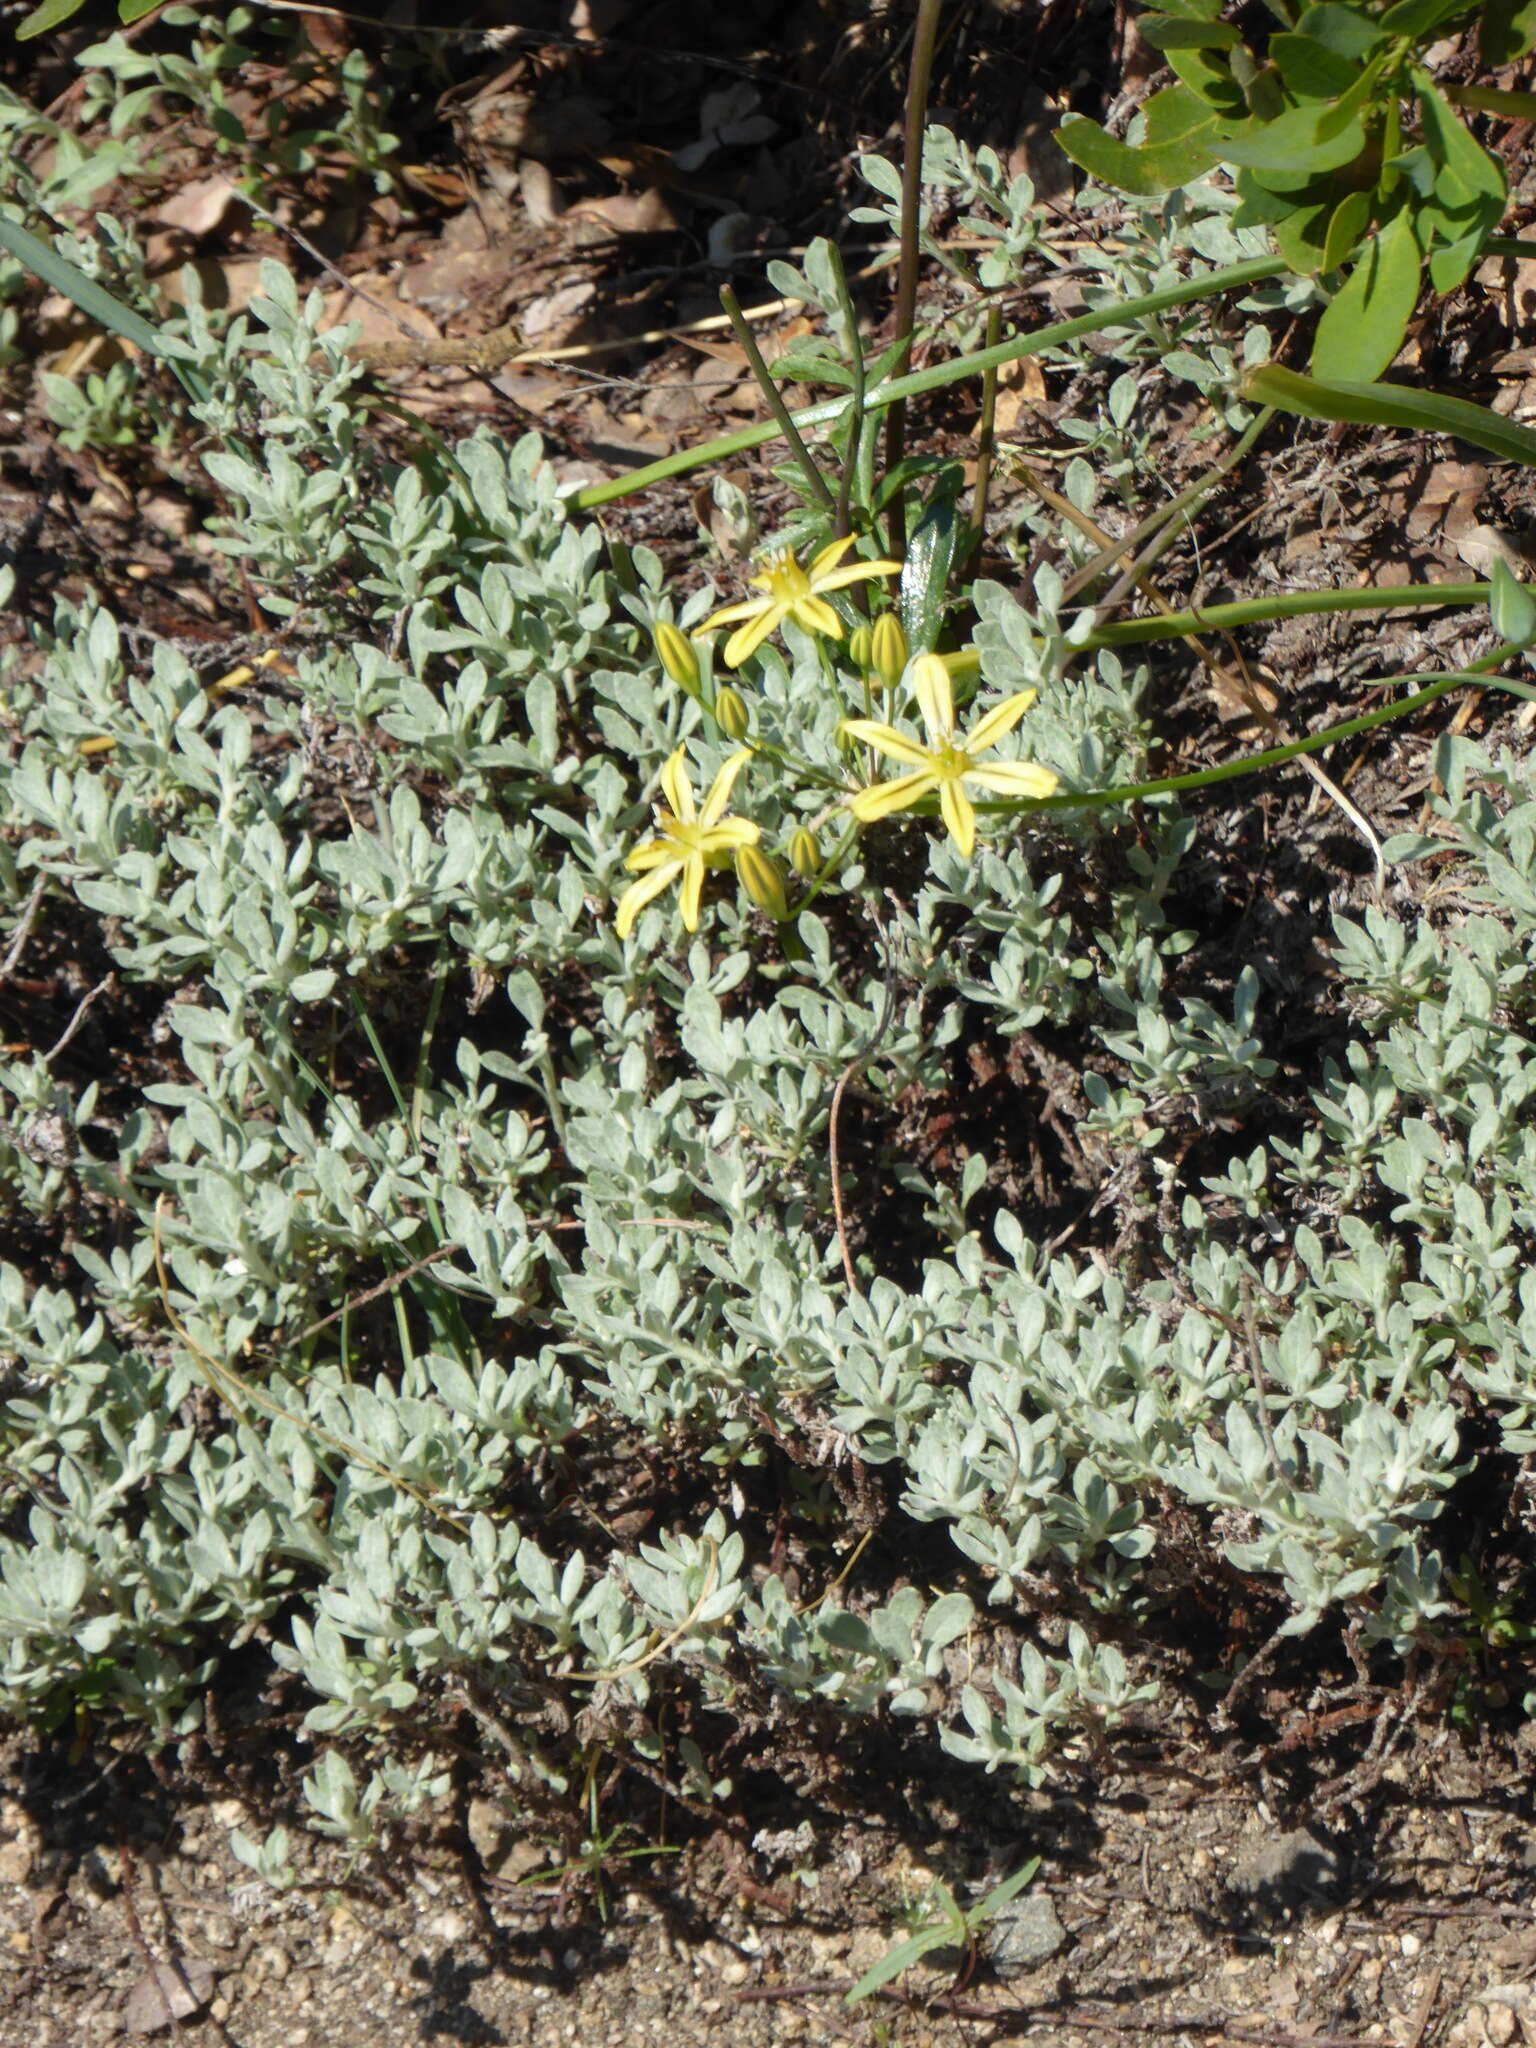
792,592
689,840
949,761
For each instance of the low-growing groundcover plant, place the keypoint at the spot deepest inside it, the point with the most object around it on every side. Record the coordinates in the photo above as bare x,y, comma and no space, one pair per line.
497,1263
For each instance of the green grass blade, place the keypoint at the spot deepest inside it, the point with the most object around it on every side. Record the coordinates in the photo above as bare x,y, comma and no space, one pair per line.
1237,277
1390,405
94,300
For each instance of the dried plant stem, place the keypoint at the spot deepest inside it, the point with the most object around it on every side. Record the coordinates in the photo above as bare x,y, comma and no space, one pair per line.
924,35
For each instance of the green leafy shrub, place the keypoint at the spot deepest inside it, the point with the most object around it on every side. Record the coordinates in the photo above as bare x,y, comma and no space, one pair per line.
1315,121
452,1191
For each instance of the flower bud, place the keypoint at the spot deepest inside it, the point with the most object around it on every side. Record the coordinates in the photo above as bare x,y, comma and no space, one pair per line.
760,877
729,712
677,655
888,650
859,648
804,853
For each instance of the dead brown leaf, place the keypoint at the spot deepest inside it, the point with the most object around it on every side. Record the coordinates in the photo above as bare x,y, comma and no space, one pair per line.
199,209
626,213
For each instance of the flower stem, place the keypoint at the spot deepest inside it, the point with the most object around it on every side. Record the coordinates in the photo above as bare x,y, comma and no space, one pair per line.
775,398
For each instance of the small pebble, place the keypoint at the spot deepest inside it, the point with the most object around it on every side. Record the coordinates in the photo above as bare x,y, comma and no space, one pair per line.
1499,2025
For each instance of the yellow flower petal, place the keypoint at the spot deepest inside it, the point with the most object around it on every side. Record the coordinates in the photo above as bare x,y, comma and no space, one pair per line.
854,573
676,787
817,616
746,639
693,885
650,855
935,699
959,817
1014,778
828,558
882,798
731,832
1001,719
887,740
638,894
720,789
729,614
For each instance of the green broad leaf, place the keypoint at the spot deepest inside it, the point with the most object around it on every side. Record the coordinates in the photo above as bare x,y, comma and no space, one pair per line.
1349,221
1145,169
1390,405
1348,31
1263,90
1256,205
1417,168
1512,606
1301,237
1365,92
926,572
1466,171
130,11
1210,78
1362,326
1190,10
1417,18
1170,32
51,14
1298,141
94,301
1449,262
1453,259
1172,115
1310,69
1506,31
1295,188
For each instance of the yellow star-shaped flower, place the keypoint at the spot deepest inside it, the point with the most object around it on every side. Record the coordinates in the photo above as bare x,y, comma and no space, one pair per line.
949,760
689,840
790,592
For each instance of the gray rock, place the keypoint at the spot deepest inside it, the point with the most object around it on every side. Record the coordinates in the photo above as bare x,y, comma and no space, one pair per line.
1023,1935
